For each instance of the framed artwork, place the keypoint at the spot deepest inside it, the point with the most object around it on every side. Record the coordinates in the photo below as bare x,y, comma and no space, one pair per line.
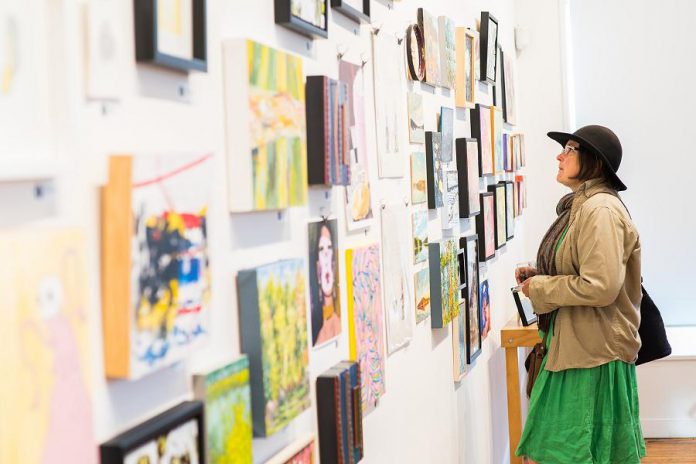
324,293
488,48
415,52
175,435
365,321
509,96
328,153
525,309
306,17
171,33
105,52
357,10
448,53
429,26
421,281
388,72
273,329
509,209
481,131
339,415
397,276
436,181
46,322
507,153
358,194
523,192
420,236
498,191
156,284
446,128
227,398
500,80
473,328
301,451
265,127
485,227
444,282
468,173
485,298
523,156
497,140
419,178
516,198
416,125
465,80
449,215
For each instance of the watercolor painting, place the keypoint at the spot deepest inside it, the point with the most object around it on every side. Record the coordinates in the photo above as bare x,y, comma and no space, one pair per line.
46,348
420,236
422,291
324,294
429,25
365,321
416,131
448,52
419,178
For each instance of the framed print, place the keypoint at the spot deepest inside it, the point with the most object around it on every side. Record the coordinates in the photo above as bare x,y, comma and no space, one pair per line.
468,172
485,227
429,26
448,54
509,209
434,169
516,197
497,139
421,281
416,125
449,215
420,236
324,293
444,282
481,131
171,33
525,309
509,95
465,80
446,128
485,299
174,436
301,451
419,178
488,48
415,52
357,10
473,327
500,80
306,17
508,159
498,191
105,50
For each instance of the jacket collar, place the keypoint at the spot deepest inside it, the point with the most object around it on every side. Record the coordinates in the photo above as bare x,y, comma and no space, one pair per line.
585,191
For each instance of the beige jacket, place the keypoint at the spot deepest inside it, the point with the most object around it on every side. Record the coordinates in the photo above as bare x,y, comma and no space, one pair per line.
598,289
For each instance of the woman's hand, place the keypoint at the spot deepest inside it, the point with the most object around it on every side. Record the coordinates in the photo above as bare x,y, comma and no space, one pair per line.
524,273
525,287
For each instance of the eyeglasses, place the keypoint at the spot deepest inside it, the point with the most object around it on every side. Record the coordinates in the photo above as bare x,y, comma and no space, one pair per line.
567,149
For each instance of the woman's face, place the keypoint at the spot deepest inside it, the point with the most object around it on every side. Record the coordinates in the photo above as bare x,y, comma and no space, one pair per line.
325,270
569,165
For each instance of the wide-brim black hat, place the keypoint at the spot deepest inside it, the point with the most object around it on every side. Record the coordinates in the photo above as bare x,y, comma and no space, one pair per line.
602,142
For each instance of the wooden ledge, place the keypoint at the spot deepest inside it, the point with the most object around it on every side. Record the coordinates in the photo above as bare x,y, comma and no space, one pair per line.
515,335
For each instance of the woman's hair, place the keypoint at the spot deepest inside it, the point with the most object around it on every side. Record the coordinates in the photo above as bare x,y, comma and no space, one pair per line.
591,166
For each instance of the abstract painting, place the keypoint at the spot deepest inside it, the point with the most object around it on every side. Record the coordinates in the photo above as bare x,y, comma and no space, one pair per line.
419,178
397,276
428,24
448,53
156,285
468,172
509,97
497,139
416,132
365,321
422,291
509,209
420,236
273,329
465,82
388,75
328,154
175,436
227,399
299,452
46,348
485,298
446,127
498,191
473,329
358,196
488,48
449,215
436,181
481,131
444,282
265,127
324,294
485,227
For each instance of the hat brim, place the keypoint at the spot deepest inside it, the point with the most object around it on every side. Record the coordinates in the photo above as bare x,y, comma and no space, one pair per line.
564,137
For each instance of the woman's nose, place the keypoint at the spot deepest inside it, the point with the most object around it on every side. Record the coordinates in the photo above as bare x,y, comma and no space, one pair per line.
560,157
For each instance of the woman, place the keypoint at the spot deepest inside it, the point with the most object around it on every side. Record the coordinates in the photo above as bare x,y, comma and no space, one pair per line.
326,317
586,290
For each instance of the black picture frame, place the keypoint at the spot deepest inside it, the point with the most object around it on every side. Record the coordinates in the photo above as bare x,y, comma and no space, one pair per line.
356,15
500,241
461,261
509,209
499,91
146,49
524,307
472,283
285,18
481,229
486,41
115,450
465,190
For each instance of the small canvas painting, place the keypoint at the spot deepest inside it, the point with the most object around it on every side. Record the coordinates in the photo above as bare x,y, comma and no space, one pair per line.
436,181
419,178
485,299
444,282
448,53
465,83
485,227
416,132
325,301
422,292
446,126
429,25
420,236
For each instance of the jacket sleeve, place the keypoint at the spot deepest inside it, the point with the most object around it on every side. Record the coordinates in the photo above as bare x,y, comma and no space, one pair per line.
602,268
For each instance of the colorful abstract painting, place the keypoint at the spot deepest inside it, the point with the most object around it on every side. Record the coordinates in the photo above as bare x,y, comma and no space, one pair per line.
358,196
178,445
266,141
420,236
448,53
416,125
419,178
46,412
324,294
422,291
429,25
365,321
227,398
444,281
273,320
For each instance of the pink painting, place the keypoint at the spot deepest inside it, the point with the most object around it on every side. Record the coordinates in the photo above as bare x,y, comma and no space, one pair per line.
489,212
486,147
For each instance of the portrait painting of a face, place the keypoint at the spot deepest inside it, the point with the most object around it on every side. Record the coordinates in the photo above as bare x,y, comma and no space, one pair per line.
485,298
323,279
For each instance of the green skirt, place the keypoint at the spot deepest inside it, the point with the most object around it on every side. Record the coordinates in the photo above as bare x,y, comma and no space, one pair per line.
584,416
